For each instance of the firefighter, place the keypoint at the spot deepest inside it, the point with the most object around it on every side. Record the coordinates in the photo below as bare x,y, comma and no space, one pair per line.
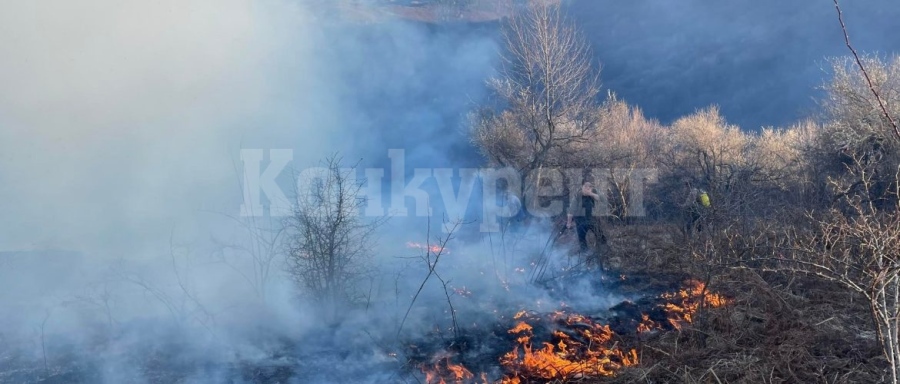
584,219
696,204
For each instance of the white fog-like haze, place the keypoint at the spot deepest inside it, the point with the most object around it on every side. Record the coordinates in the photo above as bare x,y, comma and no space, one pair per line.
121,119
121,128
121,125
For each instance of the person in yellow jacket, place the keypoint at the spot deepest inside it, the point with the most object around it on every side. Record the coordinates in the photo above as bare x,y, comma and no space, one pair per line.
696,204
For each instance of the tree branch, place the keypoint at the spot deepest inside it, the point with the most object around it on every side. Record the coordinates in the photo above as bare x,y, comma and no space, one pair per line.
865,73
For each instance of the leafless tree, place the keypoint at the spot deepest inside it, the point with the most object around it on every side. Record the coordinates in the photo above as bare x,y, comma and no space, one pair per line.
787,172
329,243
548,89
99,296
851,104
858,248
182,302
253,251
626,150
859,106
856,243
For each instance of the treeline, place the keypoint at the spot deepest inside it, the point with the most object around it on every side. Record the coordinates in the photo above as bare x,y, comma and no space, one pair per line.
850,149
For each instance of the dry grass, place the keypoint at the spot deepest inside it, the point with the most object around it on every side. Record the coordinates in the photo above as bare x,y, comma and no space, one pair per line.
779,329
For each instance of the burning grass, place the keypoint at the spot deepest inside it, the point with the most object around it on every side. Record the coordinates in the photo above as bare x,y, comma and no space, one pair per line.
579,347
443,371
773,328
749,328
564,345
766,334
680,307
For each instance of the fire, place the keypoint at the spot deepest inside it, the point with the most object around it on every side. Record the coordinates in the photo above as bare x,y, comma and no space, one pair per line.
646,324
681,306
579,348
445,372
563,346
432,248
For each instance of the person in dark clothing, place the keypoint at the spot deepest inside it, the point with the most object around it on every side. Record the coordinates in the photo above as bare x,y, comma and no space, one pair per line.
514,212
584,219
695,206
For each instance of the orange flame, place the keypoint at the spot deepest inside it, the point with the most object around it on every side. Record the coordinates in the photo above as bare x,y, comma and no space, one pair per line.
682,306
432,248
646,324
445,372
580,349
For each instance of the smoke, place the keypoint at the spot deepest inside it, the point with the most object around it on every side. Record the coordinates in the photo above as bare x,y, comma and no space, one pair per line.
119,117
121,124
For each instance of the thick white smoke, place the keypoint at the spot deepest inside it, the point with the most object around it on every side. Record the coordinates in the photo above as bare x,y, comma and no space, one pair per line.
120,128
121,124
120,119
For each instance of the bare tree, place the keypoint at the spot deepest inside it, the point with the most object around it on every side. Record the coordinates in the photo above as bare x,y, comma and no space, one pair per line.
329,243
182,303
857,131
858,248
252,251
714,154
627,150
548,89
784,159
851,104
